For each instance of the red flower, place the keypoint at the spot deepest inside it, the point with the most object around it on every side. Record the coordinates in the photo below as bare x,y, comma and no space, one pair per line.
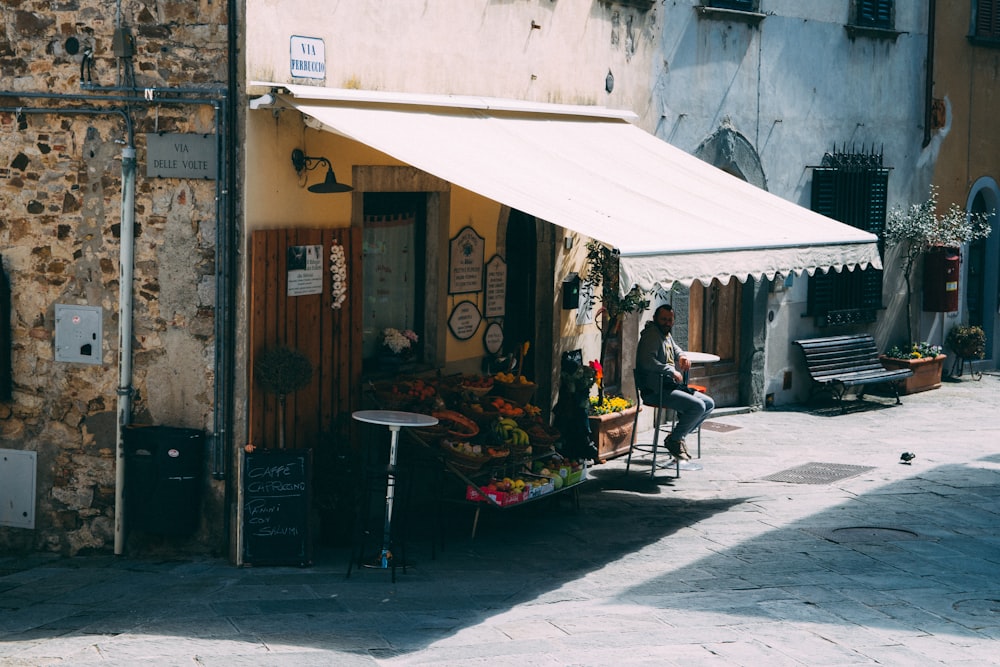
598,370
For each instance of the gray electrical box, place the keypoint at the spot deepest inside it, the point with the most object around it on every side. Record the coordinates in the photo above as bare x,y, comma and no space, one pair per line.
17,488
79,334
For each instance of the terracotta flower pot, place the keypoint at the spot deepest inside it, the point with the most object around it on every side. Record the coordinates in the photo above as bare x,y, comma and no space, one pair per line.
612,433
926,372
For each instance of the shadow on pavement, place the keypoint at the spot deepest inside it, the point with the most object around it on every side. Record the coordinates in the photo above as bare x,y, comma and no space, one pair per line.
882,560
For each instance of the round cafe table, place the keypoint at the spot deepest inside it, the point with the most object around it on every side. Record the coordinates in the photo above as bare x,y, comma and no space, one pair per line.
395,420
700,357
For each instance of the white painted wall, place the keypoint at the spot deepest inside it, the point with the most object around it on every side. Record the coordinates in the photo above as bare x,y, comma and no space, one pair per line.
795,86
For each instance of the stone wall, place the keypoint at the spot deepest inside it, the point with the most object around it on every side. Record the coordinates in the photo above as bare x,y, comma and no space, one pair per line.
60,227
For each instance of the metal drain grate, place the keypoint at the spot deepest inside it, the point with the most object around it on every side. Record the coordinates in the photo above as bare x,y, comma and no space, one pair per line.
817,473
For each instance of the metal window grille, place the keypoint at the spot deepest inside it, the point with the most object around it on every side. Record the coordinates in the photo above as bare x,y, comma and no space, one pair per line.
850,187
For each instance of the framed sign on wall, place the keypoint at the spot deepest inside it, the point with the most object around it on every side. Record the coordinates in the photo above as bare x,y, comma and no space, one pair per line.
496,287
465,262
464,320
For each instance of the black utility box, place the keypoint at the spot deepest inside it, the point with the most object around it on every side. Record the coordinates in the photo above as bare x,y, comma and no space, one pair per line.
163,479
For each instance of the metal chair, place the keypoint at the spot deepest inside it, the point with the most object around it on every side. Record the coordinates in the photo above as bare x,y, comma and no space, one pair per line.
660,424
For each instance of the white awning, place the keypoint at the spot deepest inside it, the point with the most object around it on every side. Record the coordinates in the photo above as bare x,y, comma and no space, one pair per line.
672,216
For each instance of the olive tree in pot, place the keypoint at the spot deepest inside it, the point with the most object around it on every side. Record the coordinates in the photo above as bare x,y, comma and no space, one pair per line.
602,274
281,370
920,228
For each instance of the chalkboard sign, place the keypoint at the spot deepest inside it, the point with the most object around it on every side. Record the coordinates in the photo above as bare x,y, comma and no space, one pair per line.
276,491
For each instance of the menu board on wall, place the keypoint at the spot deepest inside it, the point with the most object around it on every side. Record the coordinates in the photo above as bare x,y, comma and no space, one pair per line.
496,287
276,507
465,262
305,269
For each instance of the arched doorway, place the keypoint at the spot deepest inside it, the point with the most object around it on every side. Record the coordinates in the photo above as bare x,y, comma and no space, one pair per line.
718,321
982,265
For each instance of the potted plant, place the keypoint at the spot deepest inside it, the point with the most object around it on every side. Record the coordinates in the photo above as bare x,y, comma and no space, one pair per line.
920,229
968,343
924,359
612,419
602,272
396,346
281,370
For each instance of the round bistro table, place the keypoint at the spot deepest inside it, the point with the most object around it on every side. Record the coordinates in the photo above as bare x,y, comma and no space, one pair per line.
395,420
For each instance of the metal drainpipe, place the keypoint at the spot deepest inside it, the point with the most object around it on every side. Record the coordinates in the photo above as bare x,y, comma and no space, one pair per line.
126,263
125,389
225,224
929,80
127,236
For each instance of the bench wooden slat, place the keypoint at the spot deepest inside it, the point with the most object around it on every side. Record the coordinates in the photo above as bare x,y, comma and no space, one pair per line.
838,362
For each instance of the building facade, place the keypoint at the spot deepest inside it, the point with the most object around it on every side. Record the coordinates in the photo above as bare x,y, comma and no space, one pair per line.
968,165
100,245
107,105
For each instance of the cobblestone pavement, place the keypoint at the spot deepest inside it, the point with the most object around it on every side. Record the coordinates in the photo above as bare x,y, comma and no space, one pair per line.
856,560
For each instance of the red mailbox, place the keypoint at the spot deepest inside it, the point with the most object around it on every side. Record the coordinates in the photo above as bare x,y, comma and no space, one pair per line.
941,272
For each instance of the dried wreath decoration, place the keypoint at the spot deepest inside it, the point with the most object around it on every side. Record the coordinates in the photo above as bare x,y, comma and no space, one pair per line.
338,274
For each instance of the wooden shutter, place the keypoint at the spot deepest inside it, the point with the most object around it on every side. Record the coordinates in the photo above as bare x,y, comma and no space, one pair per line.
854,193
871,279
988,19
875,13
743,5
822,285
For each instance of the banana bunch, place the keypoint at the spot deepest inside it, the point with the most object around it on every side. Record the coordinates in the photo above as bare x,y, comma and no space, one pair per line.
512,434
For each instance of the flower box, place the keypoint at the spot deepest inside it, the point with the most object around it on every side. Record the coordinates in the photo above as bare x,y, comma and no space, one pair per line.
612,433
926,372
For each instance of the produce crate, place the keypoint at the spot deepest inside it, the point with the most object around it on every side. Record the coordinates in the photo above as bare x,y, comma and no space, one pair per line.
542,490
575,477
501,498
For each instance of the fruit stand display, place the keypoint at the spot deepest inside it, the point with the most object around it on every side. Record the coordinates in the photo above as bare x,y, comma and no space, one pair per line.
494,443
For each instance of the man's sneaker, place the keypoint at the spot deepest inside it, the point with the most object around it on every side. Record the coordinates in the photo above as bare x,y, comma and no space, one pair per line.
677,450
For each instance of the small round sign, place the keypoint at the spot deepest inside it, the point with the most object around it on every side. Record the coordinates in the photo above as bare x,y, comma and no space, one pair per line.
493,338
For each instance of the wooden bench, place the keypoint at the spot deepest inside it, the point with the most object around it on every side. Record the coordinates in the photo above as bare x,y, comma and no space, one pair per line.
836,363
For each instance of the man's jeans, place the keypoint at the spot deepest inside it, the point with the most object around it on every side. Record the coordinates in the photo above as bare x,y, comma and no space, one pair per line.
691,409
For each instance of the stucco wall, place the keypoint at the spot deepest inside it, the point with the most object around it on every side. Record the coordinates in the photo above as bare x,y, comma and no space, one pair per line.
795,86
60,224
538,50
968,151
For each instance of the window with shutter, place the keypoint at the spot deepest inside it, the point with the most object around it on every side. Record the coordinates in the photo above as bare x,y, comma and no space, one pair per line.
743,5
874,14
987,21
851,188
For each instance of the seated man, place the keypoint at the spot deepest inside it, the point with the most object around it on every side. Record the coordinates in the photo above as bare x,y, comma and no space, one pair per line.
658,355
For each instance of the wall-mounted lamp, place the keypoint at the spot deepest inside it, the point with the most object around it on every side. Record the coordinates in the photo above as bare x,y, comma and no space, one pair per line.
303,162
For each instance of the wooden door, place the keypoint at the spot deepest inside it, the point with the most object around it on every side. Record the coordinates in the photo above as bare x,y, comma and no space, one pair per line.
714,326
329,337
